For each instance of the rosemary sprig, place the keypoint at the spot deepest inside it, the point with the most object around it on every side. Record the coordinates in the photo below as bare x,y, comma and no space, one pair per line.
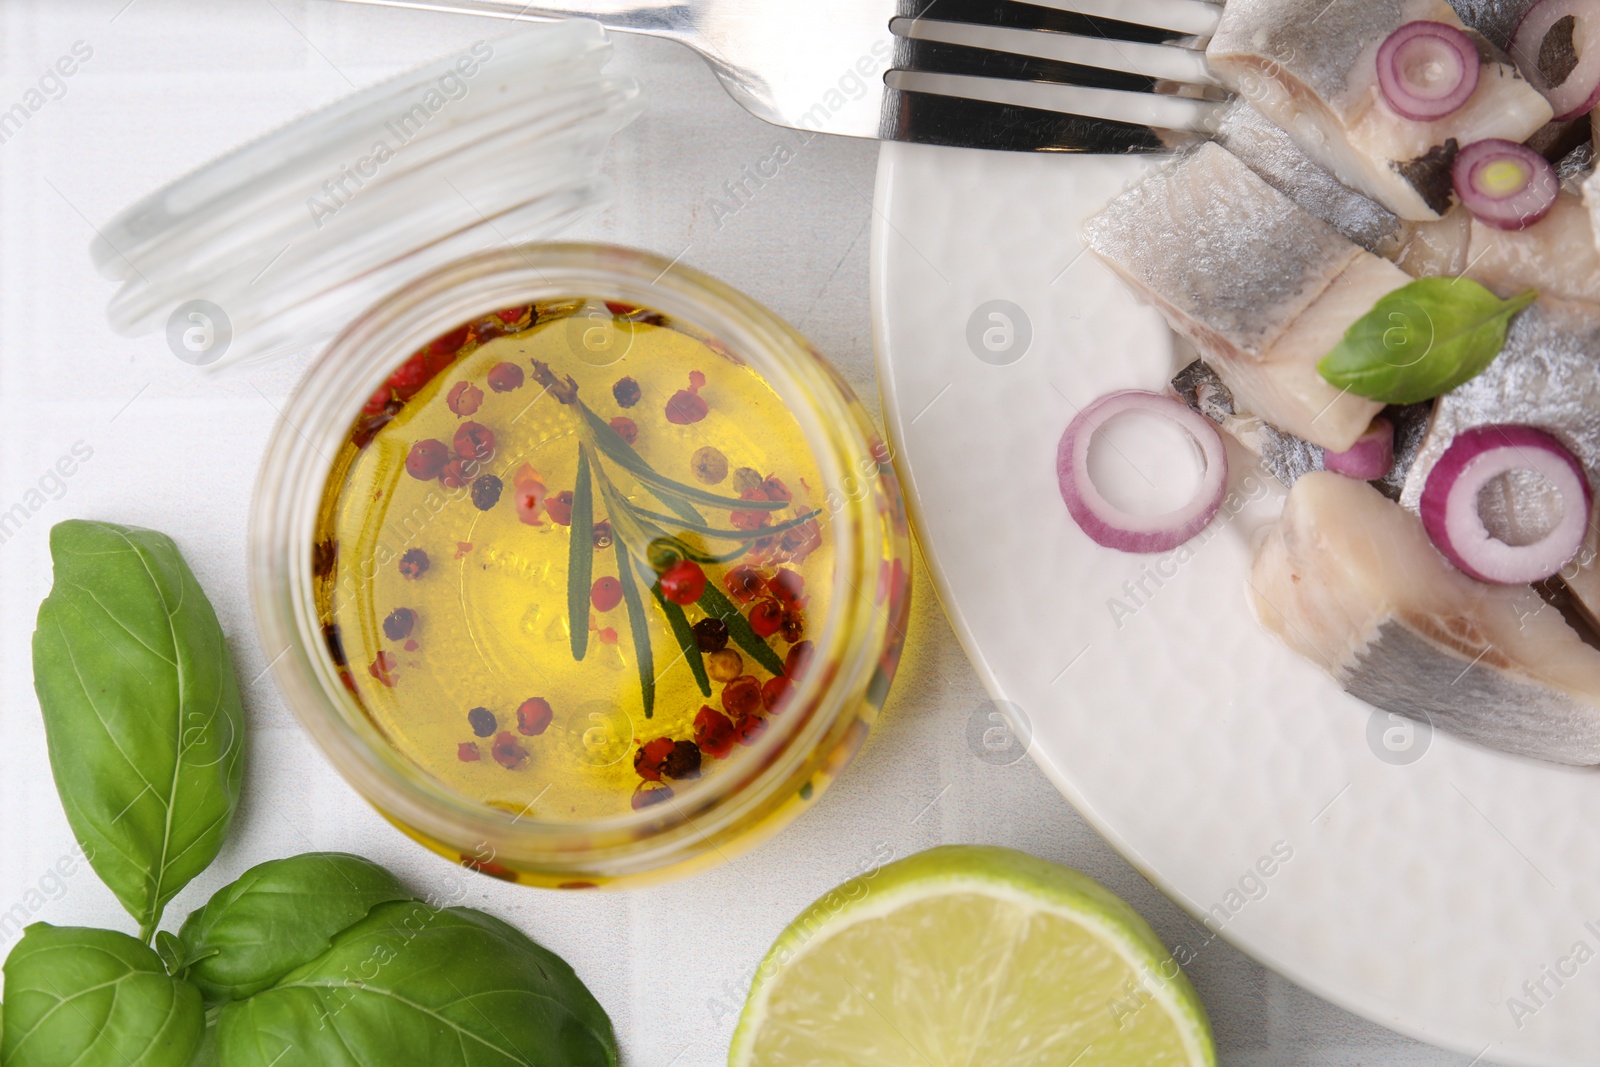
686,639
637,531
580,556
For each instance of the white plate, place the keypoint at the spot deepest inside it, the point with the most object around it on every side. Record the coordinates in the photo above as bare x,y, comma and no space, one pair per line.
1426,880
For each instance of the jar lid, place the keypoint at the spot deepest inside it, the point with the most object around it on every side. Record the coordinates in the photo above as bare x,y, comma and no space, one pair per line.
274,247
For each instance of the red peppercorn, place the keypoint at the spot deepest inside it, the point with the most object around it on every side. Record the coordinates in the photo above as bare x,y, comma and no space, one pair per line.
378,401
651,757
606,593
505,377
775,694
607,635
446,345
713,732
414,564
750,518
399,623
510,316
626,428
788,586
474,440
456,473
409,378
683,582
798,659
559,508
507,752
385,669
467,752
686,406
646,795
621,310
744,584
742,696
775,489
533,716
426,459
748,728
794,626
464,398
766,617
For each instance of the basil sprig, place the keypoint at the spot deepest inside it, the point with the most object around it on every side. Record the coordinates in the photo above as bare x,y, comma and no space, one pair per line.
1422,340
316,960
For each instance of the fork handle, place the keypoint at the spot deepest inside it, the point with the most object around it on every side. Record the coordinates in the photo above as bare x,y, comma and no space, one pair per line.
662,18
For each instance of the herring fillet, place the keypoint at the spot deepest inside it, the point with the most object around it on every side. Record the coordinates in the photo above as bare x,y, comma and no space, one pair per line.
1558,255
1266,149
1350,580
1311,67
1262,288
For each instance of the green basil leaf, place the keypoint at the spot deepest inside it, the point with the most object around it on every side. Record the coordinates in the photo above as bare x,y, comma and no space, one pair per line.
279,915
1422,340
415,984
141,711
95,998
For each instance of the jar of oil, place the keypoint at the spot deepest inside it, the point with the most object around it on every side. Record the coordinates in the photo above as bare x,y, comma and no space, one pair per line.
604,573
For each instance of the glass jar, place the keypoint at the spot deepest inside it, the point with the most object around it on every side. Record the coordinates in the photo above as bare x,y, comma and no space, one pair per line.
759,787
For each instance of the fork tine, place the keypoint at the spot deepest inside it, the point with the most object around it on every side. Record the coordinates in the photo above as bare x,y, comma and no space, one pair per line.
1061,57
1014,14
925,118
1142,109
935,57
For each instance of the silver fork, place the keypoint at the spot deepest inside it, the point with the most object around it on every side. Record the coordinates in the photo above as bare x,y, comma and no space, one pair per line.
1047,76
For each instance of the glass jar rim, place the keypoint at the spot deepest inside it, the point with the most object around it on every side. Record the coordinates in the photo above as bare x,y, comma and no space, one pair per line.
316,420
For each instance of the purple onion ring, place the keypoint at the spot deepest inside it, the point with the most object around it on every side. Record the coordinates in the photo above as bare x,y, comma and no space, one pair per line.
1427,70
1108,525
1481,172
1474,459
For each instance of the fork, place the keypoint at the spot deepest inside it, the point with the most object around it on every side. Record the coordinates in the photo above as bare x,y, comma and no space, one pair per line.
1106,76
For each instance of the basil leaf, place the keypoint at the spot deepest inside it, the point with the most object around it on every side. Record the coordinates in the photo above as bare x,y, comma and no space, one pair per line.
141,711
415,984
1422,340
278,916
95,998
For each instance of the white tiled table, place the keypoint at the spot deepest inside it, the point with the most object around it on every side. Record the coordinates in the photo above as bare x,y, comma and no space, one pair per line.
170,84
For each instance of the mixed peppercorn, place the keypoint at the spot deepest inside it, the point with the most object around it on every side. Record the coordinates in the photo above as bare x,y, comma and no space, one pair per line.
764,588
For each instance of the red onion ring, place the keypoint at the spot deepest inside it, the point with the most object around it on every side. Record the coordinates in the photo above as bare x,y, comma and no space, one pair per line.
1580,90
1450,503
1504,184
1108,525
1427,70
1370,457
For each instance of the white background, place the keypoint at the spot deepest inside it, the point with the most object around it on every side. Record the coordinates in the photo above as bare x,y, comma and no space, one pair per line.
173,84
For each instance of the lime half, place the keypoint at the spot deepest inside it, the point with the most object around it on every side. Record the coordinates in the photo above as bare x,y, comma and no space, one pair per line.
971,957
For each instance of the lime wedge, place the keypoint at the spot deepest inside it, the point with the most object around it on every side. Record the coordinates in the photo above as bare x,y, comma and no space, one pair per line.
967,956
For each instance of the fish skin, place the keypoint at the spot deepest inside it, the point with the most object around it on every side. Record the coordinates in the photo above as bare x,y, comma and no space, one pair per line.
1262,288
1273,154
1285,456
1350,581
1495,19
1547,375
1213,243
1410,422
1311,67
